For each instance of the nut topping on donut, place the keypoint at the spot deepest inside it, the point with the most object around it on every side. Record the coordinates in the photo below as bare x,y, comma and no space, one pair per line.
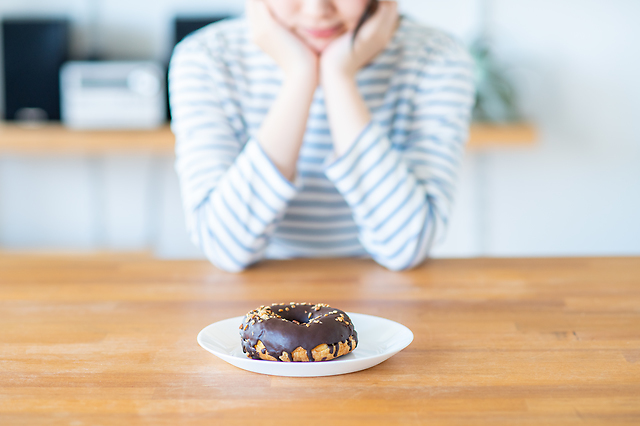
282,333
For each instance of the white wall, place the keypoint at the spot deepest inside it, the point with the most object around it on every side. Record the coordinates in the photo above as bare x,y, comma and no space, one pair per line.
577,67
576,193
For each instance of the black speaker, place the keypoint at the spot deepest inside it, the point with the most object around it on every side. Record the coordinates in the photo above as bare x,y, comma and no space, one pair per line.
34,50
185,26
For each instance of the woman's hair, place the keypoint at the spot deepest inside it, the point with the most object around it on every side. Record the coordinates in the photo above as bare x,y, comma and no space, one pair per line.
371,9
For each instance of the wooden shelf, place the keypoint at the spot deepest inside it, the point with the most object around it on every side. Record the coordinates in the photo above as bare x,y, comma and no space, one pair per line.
489,136
57,139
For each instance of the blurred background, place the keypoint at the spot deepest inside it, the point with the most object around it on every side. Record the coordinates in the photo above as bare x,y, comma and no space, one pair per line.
568,71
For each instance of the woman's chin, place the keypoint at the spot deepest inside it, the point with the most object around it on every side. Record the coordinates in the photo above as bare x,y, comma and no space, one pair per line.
318,46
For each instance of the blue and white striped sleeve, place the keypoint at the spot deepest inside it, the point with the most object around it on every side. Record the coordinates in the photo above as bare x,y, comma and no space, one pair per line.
401,193
232,192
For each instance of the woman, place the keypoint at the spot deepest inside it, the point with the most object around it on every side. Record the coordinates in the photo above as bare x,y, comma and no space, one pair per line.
319,128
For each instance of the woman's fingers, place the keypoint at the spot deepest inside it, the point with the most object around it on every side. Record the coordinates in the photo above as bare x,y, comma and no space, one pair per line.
382,23
259,17
277,41
371,39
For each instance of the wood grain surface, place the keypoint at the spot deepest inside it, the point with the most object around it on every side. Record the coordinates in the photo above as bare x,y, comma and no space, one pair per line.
102,340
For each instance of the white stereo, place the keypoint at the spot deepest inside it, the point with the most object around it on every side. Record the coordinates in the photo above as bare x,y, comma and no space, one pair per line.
112,95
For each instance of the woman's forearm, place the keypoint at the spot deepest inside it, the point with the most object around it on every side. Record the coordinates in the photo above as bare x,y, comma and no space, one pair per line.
347,111
282,130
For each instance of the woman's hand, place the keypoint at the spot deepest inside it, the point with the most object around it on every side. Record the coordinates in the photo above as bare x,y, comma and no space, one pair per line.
291,54
347,111
282,130
345,57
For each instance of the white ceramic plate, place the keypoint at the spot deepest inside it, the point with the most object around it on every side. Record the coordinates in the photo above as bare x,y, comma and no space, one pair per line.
378,340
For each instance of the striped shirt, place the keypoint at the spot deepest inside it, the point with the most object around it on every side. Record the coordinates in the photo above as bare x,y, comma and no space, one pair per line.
388,197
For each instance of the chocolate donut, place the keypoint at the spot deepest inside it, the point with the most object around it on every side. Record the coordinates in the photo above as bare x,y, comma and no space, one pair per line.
297,332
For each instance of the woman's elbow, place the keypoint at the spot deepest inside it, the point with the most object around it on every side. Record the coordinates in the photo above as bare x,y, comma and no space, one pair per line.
220,256
236,269
414,252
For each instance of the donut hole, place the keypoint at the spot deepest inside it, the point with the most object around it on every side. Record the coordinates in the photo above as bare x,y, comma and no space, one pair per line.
295,313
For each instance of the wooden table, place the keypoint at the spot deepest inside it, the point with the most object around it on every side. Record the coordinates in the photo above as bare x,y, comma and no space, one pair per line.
112,340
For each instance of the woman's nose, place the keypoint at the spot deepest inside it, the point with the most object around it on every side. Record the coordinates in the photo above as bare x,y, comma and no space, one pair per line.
317,8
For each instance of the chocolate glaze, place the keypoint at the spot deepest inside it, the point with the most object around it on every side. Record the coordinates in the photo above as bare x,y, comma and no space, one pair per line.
285,327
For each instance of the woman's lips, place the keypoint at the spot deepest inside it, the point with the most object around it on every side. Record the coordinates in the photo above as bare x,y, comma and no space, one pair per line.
323,33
